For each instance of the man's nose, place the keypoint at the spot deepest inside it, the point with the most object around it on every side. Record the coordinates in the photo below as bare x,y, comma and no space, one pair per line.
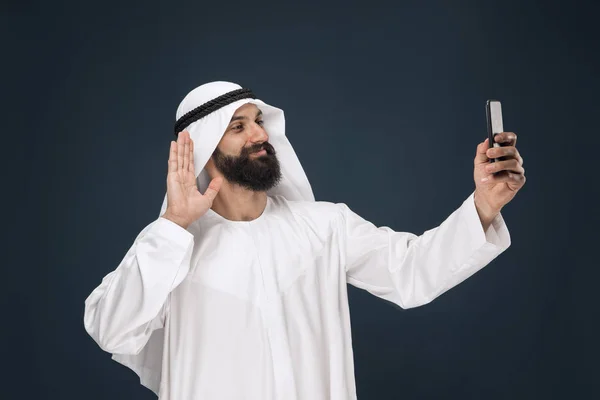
258,134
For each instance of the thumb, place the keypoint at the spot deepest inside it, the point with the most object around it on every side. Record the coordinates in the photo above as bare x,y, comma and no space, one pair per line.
480,156
213,188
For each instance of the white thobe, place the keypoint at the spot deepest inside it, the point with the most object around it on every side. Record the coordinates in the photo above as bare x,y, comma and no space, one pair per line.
259,309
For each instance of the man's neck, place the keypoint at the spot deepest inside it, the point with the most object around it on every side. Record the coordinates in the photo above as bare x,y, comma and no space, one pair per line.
239,204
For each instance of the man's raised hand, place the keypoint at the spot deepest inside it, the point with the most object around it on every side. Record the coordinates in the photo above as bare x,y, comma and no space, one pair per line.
185,203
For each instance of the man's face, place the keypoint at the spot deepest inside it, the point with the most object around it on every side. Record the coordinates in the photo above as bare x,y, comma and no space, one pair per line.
244,156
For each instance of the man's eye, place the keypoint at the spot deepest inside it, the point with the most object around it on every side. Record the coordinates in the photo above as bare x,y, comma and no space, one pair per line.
261,122
238,127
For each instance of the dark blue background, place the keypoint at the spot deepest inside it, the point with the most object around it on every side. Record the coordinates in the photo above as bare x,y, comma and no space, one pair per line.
385,107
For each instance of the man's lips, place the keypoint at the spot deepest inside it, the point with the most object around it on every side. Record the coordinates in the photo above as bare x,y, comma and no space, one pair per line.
260,152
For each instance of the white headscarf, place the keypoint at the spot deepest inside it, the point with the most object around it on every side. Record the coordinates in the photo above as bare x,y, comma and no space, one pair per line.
206,134
208,131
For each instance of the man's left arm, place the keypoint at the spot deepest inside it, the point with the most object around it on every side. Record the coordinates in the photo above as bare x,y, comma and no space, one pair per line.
411,270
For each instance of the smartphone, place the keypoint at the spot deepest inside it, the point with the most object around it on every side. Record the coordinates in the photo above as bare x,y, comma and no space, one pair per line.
493,110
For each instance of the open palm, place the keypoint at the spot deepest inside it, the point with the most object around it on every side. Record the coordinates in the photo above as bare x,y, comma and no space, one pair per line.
184,201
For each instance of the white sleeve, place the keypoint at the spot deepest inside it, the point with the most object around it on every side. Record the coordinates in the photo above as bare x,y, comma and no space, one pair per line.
411,270
132,301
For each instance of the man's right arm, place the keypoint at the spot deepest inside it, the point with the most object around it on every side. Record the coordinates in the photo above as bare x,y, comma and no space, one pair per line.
131,302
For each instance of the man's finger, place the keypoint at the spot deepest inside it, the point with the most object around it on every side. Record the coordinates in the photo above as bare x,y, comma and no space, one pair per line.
191,167
186,154
173,157
506,138
180,148
480,157
505,176
505,151
213,188
505,165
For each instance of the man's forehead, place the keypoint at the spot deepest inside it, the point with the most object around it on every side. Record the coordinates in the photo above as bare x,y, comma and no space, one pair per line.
247,109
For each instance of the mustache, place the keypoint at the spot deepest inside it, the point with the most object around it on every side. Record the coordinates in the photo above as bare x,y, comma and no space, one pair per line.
258,147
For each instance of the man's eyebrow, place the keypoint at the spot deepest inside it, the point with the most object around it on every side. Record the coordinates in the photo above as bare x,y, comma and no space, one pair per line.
259,113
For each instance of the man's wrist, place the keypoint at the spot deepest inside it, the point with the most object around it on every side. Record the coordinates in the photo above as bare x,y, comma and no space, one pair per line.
175,219
485,212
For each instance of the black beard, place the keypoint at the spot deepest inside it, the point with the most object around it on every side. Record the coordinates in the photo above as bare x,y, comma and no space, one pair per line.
258,174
